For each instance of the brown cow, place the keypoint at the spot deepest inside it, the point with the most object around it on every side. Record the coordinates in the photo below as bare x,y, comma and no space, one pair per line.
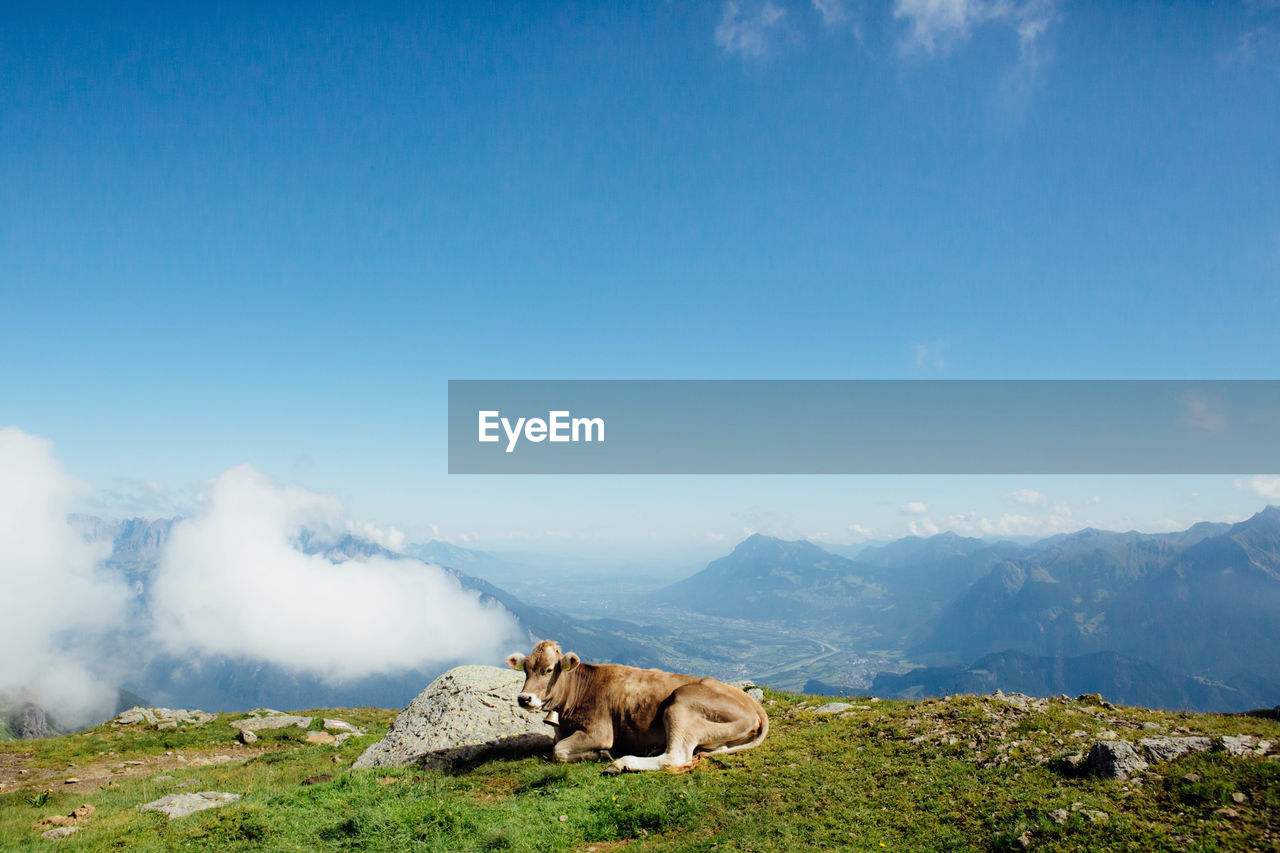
600,710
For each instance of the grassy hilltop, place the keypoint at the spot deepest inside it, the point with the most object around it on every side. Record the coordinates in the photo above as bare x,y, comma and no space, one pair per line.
965,773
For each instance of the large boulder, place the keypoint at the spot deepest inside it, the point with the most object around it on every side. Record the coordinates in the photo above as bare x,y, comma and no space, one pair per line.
1114,759
467,712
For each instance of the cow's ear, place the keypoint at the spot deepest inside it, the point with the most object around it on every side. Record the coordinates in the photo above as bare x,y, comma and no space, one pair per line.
515,660
569,661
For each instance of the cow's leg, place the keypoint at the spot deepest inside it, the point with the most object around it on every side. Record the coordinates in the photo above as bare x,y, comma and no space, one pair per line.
682,721
690,734
583,745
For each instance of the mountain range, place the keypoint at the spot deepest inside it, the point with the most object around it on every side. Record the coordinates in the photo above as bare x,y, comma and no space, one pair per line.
1181,620
1195,607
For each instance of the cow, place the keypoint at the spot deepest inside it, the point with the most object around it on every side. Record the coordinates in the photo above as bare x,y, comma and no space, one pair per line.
602,710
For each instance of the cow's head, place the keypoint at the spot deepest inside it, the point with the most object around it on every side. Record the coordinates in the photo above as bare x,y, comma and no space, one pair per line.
542,669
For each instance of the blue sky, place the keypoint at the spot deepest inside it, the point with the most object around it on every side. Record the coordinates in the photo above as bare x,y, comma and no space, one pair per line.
269,235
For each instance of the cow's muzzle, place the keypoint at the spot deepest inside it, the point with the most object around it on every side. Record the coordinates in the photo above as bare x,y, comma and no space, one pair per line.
528,700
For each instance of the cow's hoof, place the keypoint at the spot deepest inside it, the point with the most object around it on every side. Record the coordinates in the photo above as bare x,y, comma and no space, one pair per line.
611,770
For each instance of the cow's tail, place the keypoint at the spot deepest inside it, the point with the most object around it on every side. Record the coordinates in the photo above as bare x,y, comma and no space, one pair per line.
751,744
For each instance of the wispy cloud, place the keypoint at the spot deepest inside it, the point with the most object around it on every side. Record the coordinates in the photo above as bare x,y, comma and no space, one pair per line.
1026,497
1262,486
1199,414
751,33
931,355
914,508
937,25
835,13
860,532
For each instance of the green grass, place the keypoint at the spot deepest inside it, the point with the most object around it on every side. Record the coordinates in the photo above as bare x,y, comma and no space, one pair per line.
884,778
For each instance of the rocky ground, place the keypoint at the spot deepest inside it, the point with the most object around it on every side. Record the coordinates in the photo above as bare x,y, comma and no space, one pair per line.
995,772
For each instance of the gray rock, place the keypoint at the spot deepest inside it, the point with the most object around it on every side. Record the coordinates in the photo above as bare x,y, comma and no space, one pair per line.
1238,745
31,723
342,726
162,718
1168,748
1114,759
833,708
181,805
274,720
466,712
741,684
247,736
59,832
755,693
1021,701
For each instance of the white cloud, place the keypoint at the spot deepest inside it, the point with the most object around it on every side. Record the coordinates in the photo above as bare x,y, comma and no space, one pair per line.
835,13
923,527
390,538
1262,486
751,34
914,508
232,581
1011,524
931,355
860,532
938,24
59,601
1026,497
1200,415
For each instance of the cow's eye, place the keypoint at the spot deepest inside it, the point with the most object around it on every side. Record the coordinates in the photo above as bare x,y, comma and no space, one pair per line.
550,669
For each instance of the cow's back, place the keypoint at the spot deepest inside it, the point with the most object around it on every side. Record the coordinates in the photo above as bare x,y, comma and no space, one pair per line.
631,699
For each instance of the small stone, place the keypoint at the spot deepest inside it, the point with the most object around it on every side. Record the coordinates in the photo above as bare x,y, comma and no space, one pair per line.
274,720
1238,797
1191,777
82,812
71,781
1227,812
246,736
833,708
1059,816
1098,817
564,818
182,805
1238,745
756,693
1168,748
59,832
341,726
323,738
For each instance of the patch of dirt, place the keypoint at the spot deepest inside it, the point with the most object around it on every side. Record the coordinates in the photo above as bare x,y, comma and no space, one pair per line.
18,774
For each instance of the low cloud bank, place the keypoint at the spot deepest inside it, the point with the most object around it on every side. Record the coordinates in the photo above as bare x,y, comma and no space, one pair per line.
59,602
233,581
